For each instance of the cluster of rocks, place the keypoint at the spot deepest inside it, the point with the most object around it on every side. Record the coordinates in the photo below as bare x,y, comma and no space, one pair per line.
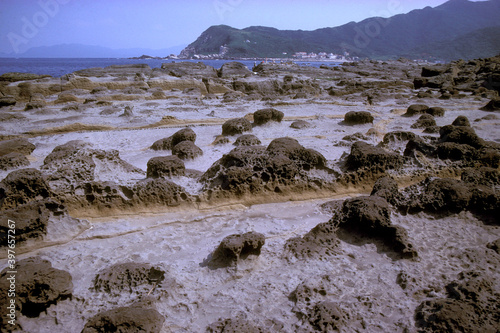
181,143
282,166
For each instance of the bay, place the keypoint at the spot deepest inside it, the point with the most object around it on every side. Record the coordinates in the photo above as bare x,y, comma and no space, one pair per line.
58,67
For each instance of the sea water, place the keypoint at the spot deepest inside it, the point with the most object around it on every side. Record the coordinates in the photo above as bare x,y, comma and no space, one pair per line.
57,67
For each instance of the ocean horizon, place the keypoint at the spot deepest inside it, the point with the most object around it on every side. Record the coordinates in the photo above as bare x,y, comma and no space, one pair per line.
57,67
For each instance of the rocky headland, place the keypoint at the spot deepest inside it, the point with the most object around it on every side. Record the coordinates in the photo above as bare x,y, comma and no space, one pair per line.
285,198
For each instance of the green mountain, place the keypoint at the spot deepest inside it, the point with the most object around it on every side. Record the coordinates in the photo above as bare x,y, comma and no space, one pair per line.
419,32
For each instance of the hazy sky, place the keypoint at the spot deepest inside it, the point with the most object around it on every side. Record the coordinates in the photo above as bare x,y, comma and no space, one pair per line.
159,24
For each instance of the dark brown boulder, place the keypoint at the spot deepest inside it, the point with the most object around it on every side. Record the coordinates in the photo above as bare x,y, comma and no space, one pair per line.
31,219
236,247
264,116
461,121
493,105
23,186
292,149
369,217
358,118
418,144
247,140
165,166
162,144
185,134
425,120
456,152
442,196
21,146
436,111
364,155
13,161
186,150
481,176
416,109
461,135
387,188
37,285
236,126
133,319
254,169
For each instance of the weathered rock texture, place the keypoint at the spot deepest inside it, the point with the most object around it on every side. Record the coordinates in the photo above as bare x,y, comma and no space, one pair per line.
236,247
37,286
132,319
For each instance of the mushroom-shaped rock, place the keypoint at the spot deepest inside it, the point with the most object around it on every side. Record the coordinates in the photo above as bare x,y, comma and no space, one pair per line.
358,118
185,134
133,319
236,126
365,155
461,121
416,109
264,116
165,166
186,150
37,284
247,140
425,120
236,247
292,149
